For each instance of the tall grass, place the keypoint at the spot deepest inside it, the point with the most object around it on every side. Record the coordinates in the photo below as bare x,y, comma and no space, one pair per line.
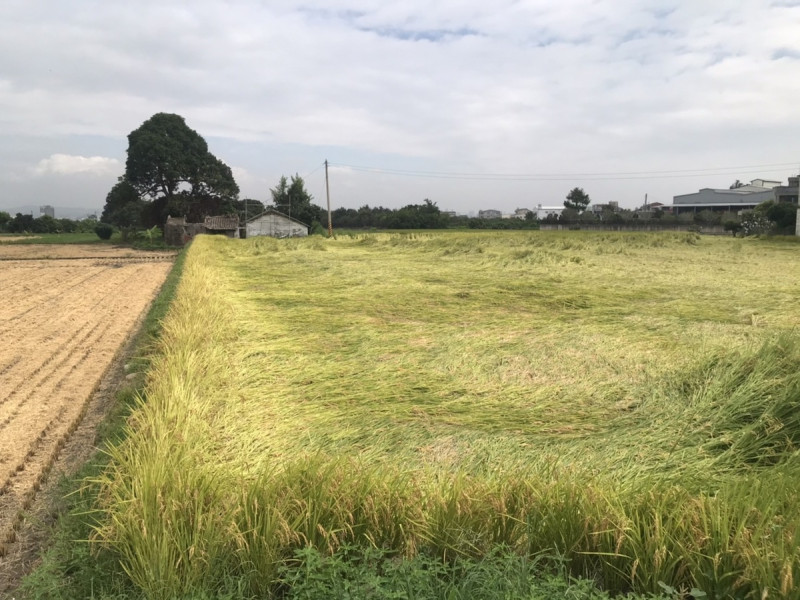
625,402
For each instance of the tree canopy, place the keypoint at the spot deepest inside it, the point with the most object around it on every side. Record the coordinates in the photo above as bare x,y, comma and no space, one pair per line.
412,216
169,170
783,215
577,200
123,208
291,198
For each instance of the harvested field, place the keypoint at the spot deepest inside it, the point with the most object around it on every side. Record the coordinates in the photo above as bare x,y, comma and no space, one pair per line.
16,238
64,313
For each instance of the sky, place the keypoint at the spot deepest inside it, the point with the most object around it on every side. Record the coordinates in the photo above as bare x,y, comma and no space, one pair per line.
472,104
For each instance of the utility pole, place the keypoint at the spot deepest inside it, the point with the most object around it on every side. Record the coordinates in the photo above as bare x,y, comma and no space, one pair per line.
328,195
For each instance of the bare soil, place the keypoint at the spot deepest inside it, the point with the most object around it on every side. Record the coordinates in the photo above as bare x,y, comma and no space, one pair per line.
66,316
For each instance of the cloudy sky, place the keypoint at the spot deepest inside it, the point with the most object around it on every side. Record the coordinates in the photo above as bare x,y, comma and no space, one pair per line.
472,104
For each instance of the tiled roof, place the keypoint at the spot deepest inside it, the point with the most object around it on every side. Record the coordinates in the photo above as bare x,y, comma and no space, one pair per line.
221,223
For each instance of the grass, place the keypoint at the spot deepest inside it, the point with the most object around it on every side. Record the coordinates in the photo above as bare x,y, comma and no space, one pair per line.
59,238
140,243
625,402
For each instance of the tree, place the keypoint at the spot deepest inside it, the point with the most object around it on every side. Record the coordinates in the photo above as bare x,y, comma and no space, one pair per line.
569,215
577,200
45,224
4,219
755,222
783,215
21,223
104,231
170,167
124,208
291,198
736,185
417,216
249,207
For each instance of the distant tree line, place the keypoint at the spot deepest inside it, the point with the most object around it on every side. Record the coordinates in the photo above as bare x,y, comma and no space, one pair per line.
418,216
412,216
26,223
768,217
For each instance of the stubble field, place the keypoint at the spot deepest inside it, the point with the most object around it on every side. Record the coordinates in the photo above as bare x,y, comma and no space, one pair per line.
64,313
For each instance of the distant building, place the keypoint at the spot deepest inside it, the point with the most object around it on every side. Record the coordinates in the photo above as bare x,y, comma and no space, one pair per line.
648,210
177,232
227,225
47,211
737,199
597,209
542,212
521,213
788,193
490,214
275,224
766,183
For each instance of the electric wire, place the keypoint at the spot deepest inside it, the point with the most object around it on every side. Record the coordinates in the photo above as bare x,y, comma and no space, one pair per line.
608,176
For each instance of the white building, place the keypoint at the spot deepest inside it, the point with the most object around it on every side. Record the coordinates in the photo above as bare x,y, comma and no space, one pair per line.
275,224
520,213
542,212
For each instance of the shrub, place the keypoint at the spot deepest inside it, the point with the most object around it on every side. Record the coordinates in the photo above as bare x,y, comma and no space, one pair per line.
104,231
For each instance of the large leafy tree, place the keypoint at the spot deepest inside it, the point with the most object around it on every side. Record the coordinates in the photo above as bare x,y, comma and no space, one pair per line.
577,200
124,208
171,170
290,197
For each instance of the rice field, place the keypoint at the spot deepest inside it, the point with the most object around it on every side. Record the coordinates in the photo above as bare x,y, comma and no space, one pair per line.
624,402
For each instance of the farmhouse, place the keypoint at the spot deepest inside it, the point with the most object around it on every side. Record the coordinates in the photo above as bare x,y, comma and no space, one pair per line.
273,223
178,232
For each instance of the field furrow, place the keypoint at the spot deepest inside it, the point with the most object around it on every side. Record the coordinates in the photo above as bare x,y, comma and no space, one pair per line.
62,322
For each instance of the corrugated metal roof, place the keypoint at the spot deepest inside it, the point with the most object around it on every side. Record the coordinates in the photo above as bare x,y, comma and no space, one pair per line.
221,223
709,204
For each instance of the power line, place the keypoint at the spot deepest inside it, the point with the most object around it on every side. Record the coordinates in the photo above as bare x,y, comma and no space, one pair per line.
608,176
314,170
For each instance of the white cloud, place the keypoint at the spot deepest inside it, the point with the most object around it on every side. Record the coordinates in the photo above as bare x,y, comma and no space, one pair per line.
455,85
68,164
250,185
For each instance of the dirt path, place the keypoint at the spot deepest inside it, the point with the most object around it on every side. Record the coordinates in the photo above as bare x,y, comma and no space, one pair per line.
65,314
